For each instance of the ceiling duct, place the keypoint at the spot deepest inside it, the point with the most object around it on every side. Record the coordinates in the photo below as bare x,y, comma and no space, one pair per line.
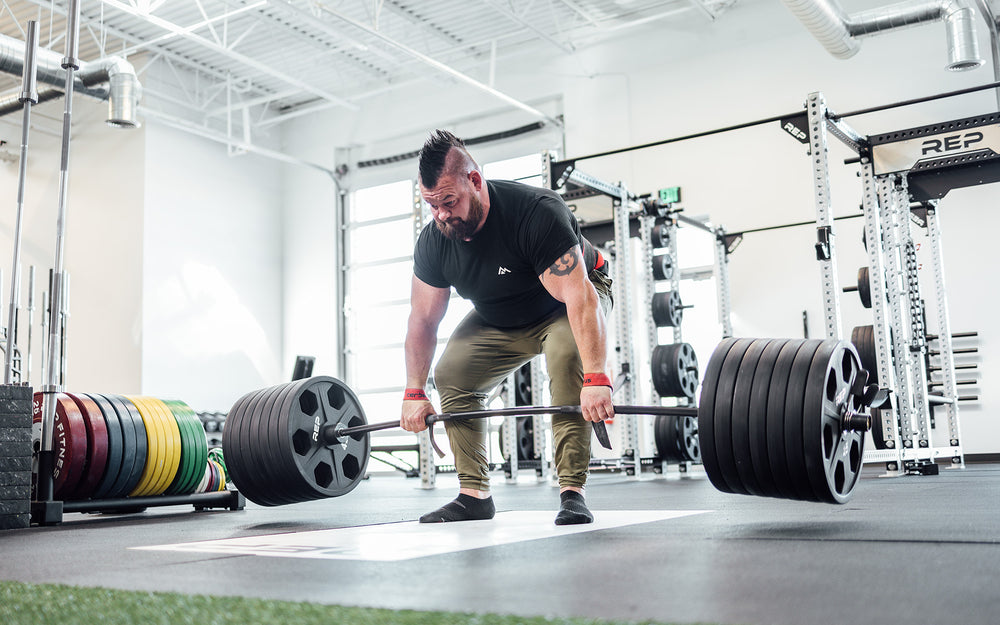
11,102
111,78
839,32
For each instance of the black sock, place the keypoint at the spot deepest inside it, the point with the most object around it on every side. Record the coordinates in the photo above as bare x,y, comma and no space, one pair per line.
462,508
573,509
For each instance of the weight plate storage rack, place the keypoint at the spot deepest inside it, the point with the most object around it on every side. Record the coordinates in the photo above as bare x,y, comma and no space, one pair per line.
127,453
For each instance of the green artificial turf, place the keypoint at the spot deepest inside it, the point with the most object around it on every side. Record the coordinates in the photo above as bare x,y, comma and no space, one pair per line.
44,604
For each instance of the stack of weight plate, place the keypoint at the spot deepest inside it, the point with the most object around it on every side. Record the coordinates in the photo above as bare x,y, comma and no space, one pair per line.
214,479
863,338
112,446
660,235
663,266
15,456
525,439
770,418
675,370
676,439
275,449
864,287
667,309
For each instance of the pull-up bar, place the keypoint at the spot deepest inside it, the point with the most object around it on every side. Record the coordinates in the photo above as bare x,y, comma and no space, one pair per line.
777,118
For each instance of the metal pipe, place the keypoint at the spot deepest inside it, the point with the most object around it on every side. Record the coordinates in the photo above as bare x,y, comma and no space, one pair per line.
828,24
45,324
45,457
963,46
220,499
28,96
12,102
839,32
64,318
31,321
111,78
694,223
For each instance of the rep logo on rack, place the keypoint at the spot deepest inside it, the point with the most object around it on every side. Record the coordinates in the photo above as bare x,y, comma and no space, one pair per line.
951,143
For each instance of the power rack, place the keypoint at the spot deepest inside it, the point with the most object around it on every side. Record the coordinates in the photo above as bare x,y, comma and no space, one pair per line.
902,171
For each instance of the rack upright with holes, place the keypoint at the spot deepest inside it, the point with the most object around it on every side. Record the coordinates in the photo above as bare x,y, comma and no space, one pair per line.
890,163
425,452
723,244
563,176
915,168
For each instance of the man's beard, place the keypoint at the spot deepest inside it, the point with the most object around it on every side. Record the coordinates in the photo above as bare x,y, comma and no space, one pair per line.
462,229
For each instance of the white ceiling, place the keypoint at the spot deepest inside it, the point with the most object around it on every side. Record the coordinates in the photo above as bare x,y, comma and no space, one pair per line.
235,65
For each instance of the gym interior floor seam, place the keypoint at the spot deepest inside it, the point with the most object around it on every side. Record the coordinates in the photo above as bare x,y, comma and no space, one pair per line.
912,549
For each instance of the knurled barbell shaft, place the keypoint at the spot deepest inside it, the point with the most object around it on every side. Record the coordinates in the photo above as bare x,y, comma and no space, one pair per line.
331,433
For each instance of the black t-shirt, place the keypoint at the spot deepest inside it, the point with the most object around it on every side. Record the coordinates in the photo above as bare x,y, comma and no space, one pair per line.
527,229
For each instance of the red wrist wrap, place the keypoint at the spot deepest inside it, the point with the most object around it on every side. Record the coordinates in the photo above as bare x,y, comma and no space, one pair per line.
596,379
414,394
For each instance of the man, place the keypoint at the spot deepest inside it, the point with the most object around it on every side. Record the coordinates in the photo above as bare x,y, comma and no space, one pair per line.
517,253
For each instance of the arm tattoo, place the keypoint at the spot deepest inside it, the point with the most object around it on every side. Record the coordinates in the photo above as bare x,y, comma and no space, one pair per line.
566,263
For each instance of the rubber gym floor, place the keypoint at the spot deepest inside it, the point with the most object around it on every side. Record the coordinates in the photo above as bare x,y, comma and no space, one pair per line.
907,550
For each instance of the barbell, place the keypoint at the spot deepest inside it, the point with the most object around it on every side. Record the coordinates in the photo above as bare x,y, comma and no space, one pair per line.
782,418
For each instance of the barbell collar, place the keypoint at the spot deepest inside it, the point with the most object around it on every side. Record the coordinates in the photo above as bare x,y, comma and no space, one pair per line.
857,422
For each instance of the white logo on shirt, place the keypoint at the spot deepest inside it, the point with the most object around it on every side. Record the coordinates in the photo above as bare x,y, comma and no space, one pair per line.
502,270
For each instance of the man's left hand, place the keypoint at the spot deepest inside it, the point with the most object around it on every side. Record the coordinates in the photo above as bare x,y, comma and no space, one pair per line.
595,403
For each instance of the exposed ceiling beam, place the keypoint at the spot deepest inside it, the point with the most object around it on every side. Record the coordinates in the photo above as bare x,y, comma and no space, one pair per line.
285,6
194,65
235,56
259,101
704,10
645,20
190,29
579,11
502,10
441,67
431,28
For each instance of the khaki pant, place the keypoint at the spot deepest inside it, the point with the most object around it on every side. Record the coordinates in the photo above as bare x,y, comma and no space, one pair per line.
478,357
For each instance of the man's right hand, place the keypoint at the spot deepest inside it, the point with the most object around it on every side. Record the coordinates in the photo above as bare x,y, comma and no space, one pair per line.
414,414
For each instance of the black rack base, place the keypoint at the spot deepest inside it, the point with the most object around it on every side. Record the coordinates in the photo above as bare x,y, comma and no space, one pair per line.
51,512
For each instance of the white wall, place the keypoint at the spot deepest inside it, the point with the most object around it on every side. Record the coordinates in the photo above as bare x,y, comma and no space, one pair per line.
676,78
103,249
212,273
175,256
310,270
